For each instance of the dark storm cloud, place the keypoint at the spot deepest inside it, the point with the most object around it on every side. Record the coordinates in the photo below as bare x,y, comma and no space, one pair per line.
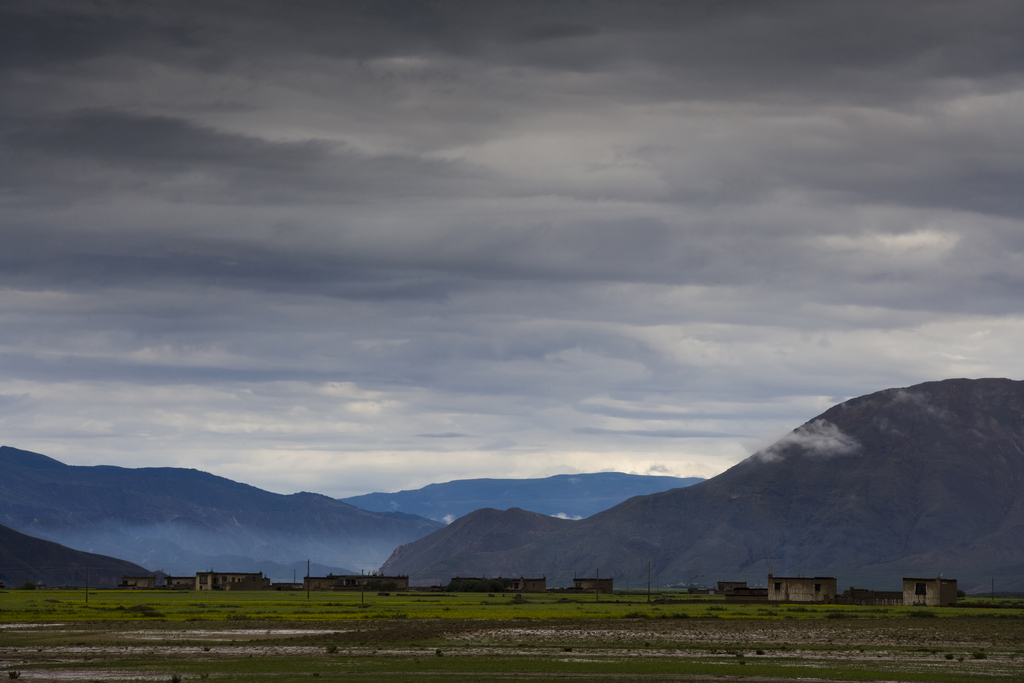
51,34
107,151
516,229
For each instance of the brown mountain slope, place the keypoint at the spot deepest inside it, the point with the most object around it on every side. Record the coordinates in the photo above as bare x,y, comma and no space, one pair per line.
26,558
921,480
472,545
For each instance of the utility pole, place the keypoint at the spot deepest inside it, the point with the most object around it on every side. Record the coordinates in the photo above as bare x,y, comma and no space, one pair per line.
87,585
597,586
768,562
307,578
648,580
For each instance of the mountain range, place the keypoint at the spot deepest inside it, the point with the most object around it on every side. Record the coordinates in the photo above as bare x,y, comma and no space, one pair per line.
916,481
183,520
570,496
26,559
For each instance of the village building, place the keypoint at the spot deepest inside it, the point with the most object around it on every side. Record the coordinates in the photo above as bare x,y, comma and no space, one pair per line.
137,582
595,585
523,585
739,591
319,583
231,581
801,589
180,583
937,592
866,597
727,586
355,582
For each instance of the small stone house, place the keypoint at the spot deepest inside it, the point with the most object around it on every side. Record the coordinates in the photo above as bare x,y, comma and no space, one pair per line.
867,597
231,581
937,592
523,585
355,582
137,582
729,586
180,583
593,585
802,589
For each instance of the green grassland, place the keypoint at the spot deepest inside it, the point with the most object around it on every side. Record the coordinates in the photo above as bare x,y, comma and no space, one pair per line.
271,636
107,605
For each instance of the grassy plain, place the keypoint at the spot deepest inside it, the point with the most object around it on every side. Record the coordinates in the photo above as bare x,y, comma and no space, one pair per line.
269,636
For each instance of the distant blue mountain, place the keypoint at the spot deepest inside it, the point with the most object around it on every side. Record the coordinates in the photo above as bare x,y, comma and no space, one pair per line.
570,495
183,520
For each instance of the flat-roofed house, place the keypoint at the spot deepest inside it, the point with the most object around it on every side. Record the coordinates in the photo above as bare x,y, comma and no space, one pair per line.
320,583
729,586
180,583
137,582
592,585
231,581
524,585
937,592
801,589
866,597
355,582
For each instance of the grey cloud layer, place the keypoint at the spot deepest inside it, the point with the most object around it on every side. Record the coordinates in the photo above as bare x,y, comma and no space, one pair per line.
554,228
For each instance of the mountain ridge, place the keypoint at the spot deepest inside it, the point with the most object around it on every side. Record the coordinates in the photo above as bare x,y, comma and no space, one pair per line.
181,519
564,495
25,558
924,479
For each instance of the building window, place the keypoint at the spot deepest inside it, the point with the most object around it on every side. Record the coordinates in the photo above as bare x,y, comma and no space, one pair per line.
921,589
817,588
778,586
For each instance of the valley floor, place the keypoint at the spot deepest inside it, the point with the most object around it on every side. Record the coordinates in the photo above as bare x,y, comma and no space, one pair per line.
731,642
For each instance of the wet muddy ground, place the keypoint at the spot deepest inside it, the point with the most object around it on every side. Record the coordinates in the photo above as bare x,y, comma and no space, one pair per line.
470,650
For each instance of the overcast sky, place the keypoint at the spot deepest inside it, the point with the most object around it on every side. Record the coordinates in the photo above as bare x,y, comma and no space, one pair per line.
357,246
